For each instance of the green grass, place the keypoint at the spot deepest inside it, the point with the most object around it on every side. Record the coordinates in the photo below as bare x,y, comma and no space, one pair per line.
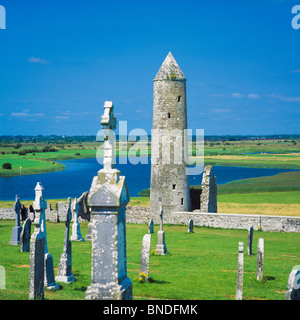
201,265
282,182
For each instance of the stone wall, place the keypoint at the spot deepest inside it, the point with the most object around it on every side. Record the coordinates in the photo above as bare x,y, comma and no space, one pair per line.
141,215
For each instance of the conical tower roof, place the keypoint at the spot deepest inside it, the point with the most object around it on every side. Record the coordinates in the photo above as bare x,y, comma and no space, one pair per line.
170,70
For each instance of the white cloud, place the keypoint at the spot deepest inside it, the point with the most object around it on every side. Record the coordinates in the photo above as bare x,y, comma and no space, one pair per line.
25,113
220,110
61,117
253,96
38,60
237,95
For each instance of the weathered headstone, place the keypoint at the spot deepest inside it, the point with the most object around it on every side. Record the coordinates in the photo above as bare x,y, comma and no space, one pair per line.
25,236
240,270
107,199
17,229
208,198
191,226
293,285
37,261
161,247
260,258
40,205
62,210
151,226
76,233
64,273
145,255
89,235
83,209
250,240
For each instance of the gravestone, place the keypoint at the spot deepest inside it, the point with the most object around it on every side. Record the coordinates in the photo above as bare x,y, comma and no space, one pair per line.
161,247
40,206
62,210
108,197
83,209
25,236
250,240
64,273
240,270
89,234
17,229
151,226
145,254
190,226
76,233
37,261
260,259
293,285
208,198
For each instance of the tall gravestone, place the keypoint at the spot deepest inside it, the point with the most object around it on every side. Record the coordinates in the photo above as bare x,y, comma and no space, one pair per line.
40,206
76,233
191,226
240,270
25,236
208,198
37,260
151,226
161,247
108,197
145,255
17,229
260,258
64,273
250,240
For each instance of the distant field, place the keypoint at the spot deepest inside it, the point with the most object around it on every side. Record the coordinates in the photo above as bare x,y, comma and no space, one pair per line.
222,153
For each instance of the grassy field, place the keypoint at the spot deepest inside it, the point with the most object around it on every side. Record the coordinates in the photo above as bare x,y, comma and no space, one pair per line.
200,265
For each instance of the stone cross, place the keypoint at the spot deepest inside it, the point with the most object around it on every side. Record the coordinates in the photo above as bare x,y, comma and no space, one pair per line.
17,229
161,247
25,236
293,285
107,199
250,240
191,226
40,205
37,261
64,273
260,259
208,198
76,233
145,254
240,269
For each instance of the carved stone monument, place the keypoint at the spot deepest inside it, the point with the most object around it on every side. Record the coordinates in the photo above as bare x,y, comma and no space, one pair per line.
145,255
240,271
17,229
208,198
76,233
191,226
37,260
250,240
64,273
25,236
260,258
108,197
161,247
40,205
293,285
151,226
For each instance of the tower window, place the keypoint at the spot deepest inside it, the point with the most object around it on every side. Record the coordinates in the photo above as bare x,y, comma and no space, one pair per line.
179,99
182,201
169,115
174,186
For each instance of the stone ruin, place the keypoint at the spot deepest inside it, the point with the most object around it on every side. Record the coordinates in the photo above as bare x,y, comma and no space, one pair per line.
208,198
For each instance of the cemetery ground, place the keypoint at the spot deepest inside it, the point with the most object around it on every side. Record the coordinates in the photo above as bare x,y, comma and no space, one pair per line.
199,266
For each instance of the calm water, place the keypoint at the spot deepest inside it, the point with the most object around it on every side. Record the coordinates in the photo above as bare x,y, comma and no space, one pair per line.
79,173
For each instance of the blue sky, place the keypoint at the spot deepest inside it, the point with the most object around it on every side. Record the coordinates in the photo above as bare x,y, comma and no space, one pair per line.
60,60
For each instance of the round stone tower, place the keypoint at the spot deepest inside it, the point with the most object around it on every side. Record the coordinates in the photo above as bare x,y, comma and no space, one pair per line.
169,149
